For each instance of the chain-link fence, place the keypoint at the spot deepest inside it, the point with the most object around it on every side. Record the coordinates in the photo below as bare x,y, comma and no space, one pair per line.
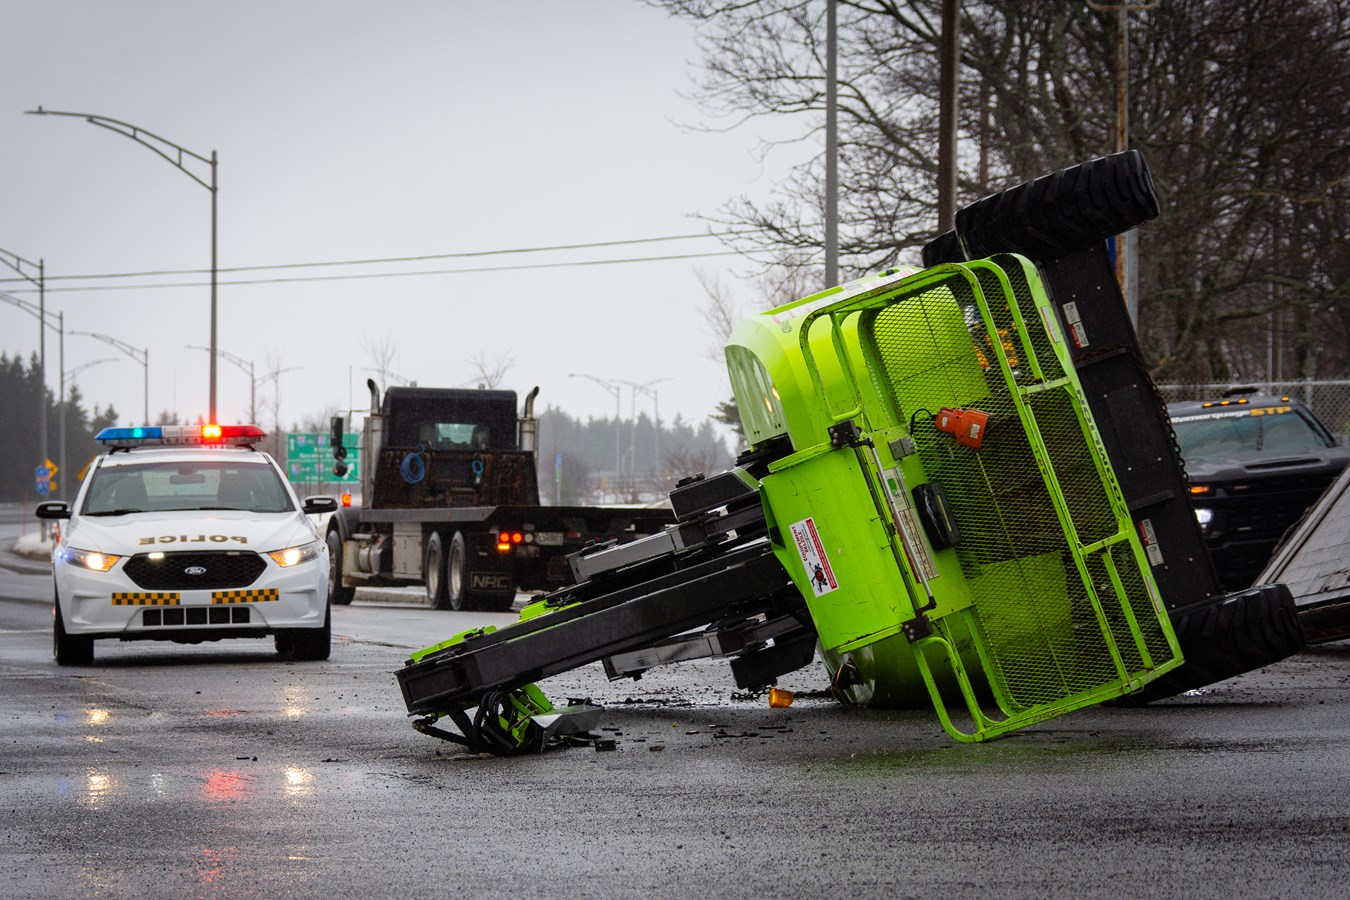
1329,400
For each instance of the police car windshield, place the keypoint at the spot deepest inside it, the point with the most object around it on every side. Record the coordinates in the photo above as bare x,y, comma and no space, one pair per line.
1252,430
169,486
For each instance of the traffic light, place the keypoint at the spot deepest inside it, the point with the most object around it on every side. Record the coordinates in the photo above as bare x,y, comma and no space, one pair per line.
336,433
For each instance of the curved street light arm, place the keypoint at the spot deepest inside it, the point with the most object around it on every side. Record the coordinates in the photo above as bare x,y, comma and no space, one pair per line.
71,373
17,263
246,365
143,358
157,144
34,310
610,386
140,135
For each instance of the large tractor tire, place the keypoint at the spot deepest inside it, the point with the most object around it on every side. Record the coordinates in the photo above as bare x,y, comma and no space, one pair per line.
1232,634
1054,214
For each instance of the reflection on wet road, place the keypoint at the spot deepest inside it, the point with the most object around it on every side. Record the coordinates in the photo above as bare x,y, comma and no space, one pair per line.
222,770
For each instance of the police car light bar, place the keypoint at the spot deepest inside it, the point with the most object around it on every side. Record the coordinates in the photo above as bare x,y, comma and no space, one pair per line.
180,435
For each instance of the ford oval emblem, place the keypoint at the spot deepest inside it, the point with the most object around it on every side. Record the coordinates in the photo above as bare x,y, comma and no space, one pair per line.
195,570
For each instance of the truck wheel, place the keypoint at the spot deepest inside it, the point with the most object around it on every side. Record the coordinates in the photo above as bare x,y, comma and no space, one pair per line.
1233,634
457,575
70,650
337,593
438,596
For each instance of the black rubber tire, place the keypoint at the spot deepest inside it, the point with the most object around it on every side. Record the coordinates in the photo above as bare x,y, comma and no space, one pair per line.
338,594
70,650
458,595
1236,633
308,644
434,573
1058,213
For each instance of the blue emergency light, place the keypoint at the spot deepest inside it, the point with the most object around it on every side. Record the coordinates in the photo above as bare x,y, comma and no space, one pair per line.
180,435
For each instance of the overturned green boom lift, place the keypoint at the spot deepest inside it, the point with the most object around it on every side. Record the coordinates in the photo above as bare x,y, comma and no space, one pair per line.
930,497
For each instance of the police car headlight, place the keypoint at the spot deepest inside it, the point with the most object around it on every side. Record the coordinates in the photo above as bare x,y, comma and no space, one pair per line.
294,556
90,559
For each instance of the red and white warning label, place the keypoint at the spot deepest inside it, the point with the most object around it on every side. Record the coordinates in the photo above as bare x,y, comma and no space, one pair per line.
806,538
1076,329
1149,537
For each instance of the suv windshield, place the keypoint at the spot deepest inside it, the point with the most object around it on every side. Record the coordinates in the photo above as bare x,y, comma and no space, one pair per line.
185,485
1251,430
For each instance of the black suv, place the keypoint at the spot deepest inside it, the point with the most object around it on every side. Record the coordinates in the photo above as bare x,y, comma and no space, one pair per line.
1255,463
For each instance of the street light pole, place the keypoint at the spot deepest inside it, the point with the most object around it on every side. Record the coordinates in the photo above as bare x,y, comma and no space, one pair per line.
18,264
650,391
40,313
158,145
143,359
613,389
275,376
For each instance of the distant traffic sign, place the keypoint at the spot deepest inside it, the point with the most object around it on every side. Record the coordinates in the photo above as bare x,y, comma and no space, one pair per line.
309,457
43,478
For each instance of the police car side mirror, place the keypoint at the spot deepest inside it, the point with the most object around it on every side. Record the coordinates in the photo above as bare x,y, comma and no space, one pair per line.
312,505
53,509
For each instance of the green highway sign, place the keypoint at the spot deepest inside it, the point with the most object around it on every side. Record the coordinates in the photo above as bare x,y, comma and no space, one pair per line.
309,457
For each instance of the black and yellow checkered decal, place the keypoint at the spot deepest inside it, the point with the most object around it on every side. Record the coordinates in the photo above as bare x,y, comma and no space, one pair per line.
145,598
260,595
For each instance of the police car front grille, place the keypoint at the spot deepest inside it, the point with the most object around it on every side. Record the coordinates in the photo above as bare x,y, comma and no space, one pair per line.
219,569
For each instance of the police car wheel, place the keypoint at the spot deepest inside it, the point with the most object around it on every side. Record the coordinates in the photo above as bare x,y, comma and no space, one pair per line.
70,650
308,644
337,593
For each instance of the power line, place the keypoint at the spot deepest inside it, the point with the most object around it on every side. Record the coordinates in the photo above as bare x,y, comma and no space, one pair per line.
369,275
400,259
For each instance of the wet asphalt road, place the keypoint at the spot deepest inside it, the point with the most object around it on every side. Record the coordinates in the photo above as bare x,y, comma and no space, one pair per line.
218,770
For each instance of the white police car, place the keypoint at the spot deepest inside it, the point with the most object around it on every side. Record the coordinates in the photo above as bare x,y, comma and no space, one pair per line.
188,534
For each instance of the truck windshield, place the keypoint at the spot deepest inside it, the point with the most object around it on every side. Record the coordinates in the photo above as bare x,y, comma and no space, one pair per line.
192,485
1269,429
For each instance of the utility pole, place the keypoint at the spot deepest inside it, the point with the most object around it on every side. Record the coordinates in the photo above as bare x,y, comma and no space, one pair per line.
831,147
1127,262
949,67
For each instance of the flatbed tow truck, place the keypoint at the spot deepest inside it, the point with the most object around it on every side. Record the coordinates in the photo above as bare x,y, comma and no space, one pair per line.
450,500
961,488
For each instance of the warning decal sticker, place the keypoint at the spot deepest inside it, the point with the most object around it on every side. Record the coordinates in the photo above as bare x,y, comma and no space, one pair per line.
1076,329
1150,541
809,547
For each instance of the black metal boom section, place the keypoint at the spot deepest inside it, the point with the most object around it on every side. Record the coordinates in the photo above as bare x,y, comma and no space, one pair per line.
708,586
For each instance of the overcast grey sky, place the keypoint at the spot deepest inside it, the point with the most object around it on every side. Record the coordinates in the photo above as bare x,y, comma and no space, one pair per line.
348,131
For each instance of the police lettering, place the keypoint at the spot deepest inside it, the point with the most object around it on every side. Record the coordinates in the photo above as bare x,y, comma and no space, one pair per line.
194,539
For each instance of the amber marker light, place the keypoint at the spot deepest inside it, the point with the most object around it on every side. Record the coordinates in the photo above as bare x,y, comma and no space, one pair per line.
780,699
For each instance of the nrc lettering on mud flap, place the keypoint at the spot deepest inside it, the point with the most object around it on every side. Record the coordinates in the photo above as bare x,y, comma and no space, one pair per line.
490,581
806,538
